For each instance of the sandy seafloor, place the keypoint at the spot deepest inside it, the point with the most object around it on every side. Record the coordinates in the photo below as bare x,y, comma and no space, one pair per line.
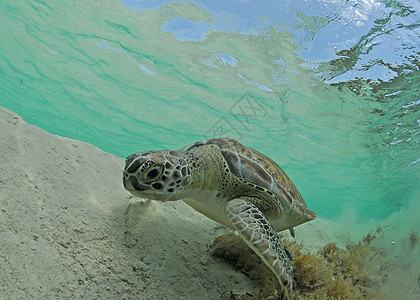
69,229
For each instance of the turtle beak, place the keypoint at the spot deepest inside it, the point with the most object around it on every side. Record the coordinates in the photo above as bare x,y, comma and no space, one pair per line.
132,184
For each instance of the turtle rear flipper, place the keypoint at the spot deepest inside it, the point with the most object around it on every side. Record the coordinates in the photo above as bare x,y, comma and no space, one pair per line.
257,232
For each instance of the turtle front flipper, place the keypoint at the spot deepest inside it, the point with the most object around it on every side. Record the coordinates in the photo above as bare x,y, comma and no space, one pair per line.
257,232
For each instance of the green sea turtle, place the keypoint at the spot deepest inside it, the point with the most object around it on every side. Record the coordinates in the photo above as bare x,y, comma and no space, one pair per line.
234,185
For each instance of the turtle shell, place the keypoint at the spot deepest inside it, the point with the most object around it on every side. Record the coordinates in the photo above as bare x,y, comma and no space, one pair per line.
257,168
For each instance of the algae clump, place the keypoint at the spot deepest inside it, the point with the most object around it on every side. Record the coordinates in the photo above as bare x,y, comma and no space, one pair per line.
331,273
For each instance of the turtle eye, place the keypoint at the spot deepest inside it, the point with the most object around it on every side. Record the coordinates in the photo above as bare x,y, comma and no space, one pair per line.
152,174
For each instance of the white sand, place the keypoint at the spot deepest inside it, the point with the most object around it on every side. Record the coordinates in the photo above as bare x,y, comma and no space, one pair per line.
69,229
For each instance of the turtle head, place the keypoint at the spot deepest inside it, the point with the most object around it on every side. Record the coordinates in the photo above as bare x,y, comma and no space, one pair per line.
156,175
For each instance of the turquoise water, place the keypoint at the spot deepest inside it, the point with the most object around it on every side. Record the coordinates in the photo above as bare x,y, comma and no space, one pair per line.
328,89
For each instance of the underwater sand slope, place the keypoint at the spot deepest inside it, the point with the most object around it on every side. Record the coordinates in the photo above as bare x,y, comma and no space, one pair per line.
69,229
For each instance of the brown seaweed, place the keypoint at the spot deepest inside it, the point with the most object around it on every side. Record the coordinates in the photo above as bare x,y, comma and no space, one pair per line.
332,273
